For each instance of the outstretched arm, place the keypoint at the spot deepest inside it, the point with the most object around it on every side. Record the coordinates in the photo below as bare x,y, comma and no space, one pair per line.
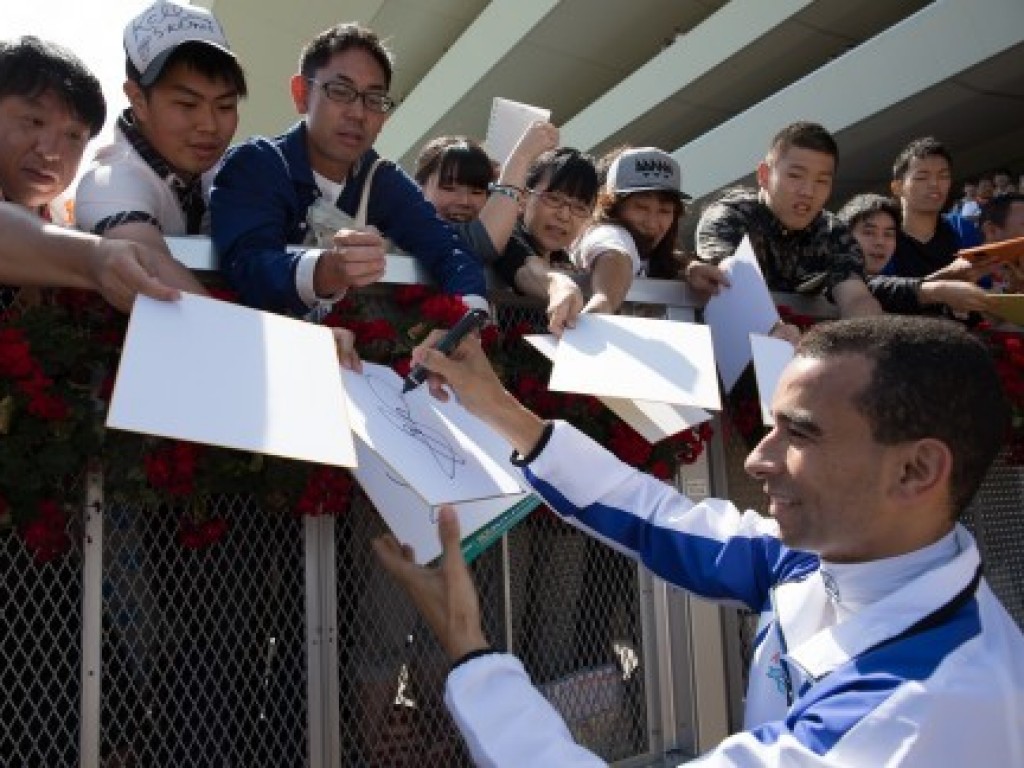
33,252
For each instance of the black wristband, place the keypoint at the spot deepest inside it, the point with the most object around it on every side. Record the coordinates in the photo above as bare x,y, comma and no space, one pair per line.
472,655
519,460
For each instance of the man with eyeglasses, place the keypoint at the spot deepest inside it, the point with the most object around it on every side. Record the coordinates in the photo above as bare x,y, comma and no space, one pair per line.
263,192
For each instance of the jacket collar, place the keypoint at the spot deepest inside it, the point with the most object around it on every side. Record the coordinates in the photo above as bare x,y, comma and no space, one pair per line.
295,148
834,646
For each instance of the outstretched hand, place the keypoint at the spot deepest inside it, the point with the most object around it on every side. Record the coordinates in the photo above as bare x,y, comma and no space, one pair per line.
122,269
444,595
345,345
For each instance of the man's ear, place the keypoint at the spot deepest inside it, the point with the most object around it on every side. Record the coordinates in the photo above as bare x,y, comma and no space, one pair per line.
896,187
136,98
925,469
300,93
764,173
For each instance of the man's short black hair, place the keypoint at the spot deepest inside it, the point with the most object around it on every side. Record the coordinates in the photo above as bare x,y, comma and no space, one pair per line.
931,378
919,149
30,67
342,37
861,207
998,208
204,59
805,135
455,160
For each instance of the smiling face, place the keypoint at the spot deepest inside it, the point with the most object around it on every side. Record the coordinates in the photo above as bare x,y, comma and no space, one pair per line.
549,218
339,134
796,184
649,216
188,117
828,481
925,186
454,201
41,146
877,237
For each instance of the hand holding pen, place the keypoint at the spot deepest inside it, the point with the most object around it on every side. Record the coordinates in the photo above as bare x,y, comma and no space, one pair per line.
473,320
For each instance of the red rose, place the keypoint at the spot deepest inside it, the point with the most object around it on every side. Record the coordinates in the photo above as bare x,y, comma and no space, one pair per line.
402,366
328,491
514,334
406,296
15,357
490,337
46,536
158,469
224,294
528,386
48,407
661,470
213,530
375,330
444,310
190,537
690,453
626,443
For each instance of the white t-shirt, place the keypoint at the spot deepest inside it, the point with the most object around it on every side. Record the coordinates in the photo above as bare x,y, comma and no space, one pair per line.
120,181
606,237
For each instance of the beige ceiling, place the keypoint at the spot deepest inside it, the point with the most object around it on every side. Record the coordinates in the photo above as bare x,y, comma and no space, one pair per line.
658,72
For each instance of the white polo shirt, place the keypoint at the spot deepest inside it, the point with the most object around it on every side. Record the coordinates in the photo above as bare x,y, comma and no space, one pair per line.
119,183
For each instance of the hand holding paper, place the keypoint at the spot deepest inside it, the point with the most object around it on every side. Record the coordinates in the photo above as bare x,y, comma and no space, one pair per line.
213,372
745,308
508,122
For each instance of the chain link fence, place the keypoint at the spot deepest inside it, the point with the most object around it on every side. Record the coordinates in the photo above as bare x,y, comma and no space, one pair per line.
203,650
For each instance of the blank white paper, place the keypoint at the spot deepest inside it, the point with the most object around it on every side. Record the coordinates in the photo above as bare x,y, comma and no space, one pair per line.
771,356
744,308
508,122
209,371
654,421
638,358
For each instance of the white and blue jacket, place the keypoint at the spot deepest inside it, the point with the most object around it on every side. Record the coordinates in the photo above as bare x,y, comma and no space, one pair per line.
930,674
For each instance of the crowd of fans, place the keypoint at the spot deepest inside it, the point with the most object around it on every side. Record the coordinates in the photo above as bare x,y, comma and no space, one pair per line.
549,221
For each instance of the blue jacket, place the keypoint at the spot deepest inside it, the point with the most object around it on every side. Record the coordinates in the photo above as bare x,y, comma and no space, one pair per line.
258,207
932,674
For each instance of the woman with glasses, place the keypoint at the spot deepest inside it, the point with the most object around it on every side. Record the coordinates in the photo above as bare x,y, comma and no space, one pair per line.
558,198
457,177
635,225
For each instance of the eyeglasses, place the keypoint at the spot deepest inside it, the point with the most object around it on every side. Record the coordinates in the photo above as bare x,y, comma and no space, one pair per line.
343,93
557,202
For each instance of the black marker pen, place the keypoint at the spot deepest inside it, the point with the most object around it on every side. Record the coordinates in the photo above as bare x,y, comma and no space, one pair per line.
473,320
